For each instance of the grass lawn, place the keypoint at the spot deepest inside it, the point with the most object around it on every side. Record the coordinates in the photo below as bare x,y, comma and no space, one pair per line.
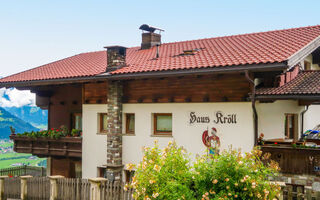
9,158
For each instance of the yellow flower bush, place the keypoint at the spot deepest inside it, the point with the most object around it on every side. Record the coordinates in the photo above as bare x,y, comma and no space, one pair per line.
168,175
163,174
232,175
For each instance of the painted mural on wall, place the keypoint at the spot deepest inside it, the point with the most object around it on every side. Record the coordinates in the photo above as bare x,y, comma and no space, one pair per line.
211,140
210,137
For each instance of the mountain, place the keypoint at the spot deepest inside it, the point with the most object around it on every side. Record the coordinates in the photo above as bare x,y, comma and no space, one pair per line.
31,114
7,120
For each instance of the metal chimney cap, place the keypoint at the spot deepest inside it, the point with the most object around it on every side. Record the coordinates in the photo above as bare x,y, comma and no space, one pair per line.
146,27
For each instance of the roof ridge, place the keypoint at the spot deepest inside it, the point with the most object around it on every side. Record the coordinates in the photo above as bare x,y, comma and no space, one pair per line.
241,34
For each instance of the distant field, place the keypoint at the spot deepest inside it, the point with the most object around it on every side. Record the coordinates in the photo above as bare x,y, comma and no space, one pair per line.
8,158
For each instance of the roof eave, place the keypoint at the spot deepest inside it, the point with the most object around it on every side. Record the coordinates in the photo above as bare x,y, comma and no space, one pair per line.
279,66
52,81
311,97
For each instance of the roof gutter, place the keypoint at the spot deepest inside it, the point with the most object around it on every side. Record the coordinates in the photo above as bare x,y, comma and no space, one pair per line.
51,81
104,76
289,97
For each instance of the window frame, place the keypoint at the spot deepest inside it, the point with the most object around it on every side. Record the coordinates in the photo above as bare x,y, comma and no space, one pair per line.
127,131
101,130
295,125
73,117
160,133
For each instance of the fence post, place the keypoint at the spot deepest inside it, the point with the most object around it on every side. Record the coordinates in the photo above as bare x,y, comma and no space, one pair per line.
54,187
95,190
2,187
24,189
42,171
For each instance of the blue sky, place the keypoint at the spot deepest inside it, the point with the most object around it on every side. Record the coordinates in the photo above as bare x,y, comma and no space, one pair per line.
36,32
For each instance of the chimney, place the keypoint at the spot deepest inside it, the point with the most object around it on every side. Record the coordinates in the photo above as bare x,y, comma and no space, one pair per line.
150,38
116,57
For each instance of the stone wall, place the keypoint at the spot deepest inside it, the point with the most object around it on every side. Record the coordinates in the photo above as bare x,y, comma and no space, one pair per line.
294,179
114,134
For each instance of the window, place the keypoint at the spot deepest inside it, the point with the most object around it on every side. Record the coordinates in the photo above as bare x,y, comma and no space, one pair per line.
77,121
130,123
291,126
162,124
307,65
103,122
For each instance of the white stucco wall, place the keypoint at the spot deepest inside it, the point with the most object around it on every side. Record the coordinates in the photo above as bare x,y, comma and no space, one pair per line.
272,117
94,146
312,117
239,135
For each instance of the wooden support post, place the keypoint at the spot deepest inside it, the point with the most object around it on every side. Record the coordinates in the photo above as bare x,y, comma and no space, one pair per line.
2,187
300,191
54,187
24,188
95,190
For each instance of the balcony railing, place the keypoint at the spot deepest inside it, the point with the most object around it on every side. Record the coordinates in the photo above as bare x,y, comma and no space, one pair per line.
44,147
295,160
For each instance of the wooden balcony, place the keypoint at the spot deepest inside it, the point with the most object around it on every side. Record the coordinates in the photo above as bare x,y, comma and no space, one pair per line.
295,160
44,147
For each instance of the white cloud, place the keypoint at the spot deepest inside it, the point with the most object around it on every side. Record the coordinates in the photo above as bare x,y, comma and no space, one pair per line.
16,98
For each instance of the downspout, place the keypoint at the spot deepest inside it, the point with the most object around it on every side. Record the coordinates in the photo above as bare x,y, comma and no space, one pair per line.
253,104
302,119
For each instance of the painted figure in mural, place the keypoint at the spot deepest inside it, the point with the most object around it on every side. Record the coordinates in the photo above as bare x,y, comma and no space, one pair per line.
211,141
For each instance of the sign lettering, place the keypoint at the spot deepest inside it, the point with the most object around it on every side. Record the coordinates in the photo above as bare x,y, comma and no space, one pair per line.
219,118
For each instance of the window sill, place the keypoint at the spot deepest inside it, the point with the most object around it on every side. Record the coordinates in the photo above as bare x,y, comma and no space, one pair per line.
101,133
128,134
153,135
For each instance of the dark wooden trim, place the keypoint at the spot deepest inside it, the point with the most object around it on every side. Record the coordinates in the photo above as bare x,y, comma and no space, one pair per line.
128,122
155,131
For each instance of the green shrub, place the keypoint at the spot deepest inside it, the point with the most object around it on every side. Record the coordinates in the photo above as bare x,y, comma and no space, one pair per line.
167,174
163,174
232,175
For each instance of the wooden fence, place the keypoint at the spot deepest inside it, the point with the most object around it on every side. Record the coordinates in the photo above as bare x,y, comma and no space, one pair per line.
38,188
12,188
73,189
23,170
298,192
115,191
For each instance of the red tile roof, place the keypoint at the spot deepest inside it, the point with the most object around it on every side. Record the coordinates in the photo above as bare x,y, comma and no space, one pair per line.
81,65
254,48
305,83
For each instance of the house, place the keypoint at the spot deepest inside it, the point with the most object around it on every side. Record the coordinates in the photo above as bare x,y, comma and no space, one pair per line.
202,93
